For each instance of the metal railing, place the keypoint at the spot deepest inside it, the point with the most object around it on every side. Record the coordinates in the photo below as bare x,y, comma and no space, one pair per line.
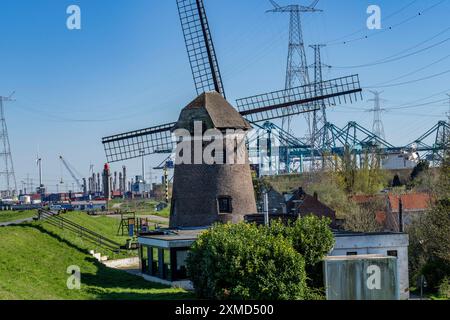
56,220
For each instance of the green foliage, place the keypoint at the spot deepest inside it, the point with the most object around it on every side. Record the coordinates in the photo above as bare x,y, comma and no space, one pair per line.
362,219
429,249
332,194
310,236
243,261
444,288
366,178
435,271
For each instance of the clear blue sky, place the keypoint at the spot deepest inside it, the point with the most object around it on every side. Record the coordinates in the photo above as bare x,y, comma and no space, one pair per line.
127,68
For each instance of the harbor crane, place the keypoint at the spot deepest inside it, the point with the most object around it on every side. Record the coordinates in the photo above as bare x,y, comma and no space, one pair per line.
71,170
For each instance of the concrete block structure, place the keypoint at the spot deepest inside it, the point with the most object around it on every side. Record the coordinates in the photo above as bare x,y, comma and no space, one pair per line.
383,243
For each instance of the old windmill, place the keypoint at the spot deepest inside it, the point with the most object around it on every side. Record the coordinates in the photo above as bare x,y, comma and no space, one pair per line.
205,193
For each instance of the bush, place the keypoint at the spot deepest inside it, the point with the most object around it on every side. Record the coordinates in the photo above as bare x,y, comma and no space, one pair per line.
310,236
444,288
243,261
435,272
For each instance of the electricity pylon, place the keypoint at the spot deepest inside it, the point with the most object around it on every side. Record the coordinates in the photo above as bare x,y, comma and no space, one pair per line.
297,66
377,127
7,170
319,116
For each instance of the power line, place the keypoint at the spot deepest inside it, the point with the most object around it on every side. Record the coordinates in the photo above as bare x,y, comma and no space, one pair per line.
387,60
373,34
331,42
412,81
417,105
412,72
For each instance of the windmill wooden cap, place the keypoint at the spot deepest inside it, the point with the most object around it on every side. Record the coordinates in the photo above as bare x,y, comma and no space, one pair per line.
219,113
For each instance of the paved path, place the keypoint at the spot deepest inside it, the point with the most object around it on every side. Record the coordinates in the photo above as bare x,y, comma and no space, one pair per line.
12,223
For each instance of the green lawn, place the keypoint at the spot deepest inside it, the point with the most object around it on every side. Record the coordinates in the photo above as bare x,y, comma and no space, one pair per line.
142,207
33,264
6,216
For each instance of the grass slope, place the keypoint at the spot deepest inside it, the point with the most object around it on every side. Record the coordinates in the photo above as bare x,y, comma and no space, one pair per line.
141,207
105,226
7,216
33,264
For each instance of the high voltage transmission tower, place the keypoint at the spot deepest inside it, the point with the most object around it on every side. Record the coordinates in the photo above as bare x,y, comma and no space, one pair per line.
320,115
377,127
7,168
297,66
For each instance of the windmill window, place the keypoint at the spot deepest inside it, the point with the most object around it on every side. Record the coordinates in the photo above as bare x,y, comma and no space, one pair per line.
225,205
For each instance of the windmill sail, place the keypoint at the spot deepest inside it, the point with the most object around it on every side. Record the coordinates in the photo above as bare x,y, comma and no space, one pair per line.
298,100
138,143
200,47
258,108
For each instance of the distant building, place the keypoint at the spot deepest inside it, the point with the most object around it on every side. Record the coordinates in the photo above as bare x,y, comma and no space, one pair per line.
402,160
140,187
299,204
413,206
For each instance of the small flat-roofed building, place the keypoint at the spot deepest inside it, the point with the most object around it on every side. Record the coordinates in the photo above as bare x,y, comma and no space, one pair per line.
163,255
381,243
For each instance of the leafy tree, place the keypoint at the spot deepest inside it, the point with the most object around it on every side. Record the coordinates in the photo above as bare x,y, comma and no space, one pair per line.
366,178
362,219
242,261
429,236
313,239
310,236
332,194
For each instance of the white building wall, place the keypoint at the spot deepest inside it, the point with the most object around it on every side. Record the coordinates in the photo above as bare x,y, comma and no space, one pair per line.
399,161
378,244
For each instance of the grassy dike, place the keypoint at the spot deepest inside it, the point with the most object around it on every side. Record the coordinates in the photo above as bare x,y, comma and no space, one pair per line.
7,216
34,258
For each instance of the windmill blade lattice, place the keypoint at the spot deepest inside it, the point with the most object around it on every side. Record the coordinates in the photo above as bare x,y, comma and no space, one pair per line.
138,143
200,47
282,103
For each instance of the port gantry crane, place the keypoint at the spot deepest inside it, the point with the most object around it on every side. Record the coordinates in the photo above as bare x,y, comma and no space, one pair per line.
80,185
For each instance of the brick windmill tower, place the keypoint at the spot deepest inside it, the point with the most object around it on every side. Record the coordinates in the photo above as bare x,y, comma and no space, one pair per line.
207,192
218,189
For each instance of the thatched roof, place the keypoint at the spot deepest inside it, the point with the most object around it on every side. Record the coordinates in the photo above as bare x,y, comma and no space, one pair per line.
217,109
